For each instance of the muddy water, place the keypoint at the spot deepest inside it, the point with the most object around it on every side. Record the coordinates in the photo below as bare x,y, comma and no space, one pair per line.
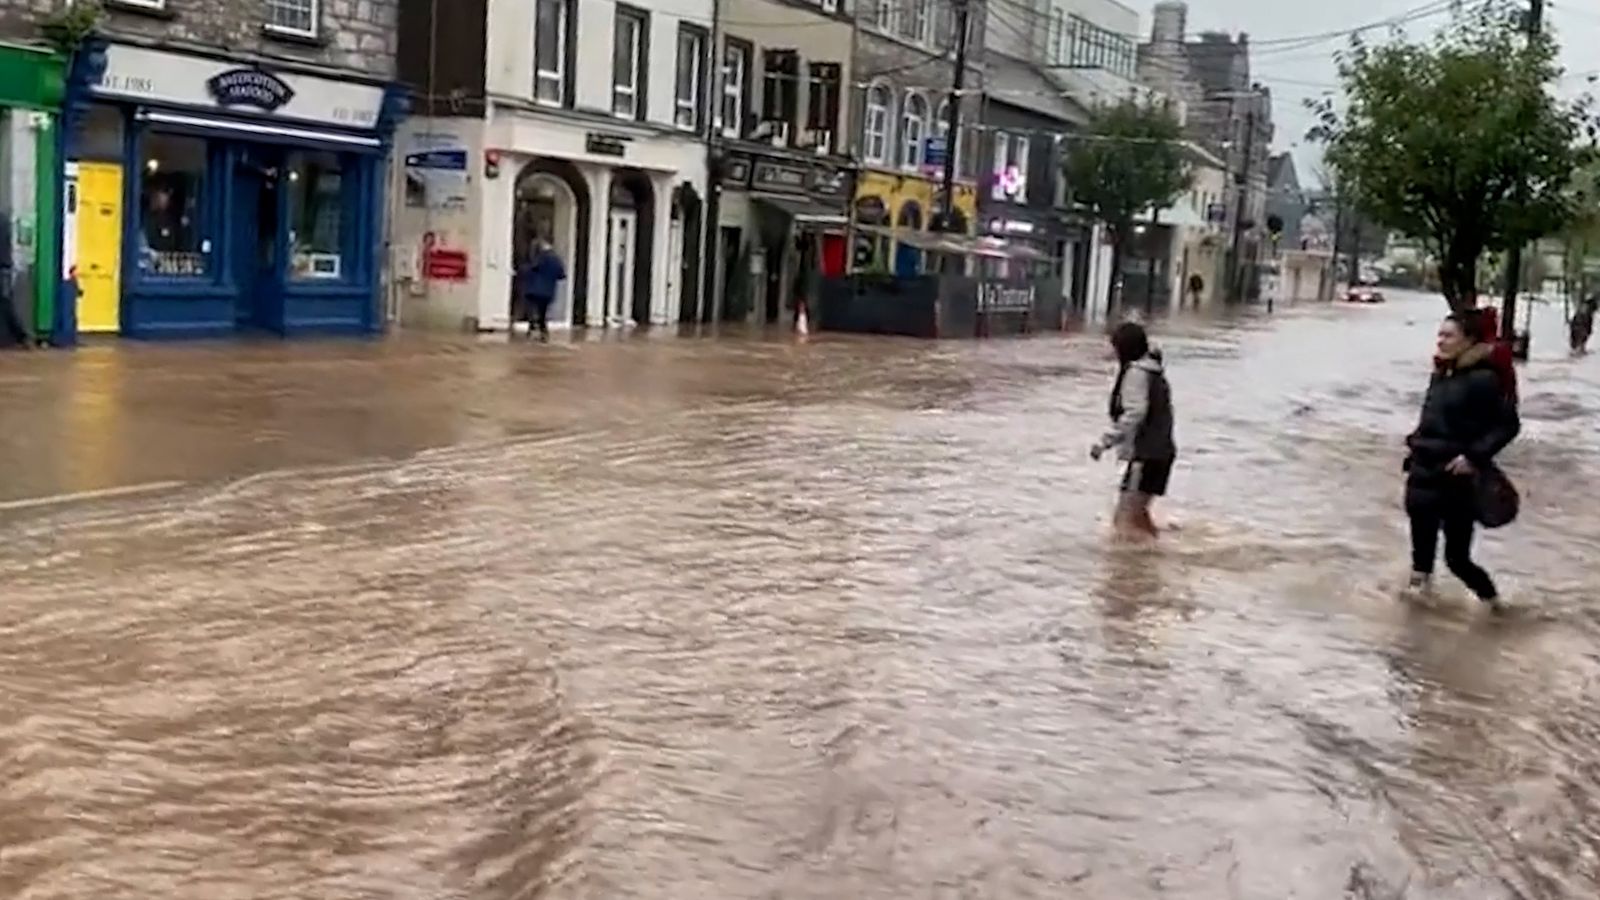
689,619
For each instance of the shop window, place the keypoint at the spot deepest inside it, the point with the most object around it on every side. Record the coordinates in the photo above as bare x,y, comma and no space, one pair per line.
316,185
172,194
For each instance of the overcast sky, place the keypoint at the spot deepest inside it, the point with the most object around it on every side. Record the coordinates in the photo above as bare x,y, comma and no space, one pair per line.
1296,73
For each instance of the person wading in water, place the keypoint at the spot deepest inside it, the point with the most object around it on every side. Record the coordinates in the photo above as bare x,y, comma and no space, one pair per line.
1141,429
1467,419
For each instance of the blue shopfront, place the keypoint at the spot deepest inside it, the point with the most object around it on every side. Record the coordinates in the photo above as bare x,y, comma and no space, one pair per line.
210,197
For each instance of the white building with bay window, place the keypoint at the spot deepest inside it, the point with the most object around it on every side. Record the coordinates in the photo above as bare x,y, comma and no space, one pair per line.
577,122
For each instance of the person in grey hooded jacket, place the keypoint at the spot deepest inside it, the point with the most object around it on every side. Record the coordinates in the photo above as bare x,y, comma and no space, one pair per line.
1141,428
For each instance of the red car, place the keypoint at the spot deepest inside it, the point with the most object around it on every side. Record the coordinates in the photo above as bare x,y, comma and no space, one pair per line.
1363,293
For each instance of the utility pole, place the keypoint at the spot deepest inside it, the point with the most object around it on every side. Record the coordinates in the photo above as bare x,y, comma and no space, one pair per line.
1241,182
1508,308
952,137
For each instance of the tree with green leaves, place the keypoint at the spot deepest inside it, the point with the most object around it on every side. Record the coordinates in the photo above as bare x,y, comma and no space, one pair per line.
1457,141
1130,161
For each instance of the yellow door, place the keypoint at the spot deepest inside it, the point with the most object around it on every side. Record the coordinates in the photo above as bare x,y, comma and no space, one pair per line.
99,247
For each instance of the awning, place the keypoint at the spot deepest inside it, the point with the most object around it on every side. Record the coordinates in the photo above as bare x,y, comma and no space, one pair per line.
803,211
261,131
956,244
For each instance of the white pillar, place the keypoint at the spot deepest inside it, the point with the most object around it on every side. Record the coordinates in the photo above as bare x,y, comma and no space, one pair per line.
496,263
599,179
660,248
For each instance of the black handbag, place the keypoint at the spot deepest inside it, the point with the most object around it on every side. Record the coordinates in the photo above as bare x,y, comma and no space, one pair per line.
1497,498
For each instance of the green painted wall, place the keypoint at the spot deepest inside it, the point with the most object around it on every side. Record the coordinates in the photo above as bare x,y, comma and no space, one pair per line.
33,81
31,78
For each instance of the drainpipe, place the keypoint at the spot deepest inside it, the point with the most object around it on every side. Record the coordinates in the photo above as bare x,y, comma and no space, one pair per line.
712,264
85,67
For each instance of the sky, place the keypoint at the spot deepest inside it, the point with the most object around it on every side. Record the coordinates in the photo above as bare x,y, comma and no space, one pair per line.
1296,73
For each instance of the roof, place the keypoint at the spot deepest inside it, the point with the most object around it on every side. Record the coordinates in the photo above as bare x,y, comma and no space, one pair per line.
1026,87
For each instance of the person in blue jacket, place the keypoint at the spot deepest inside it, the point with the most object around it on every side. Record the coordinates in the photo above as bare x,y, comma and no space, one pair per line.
537,279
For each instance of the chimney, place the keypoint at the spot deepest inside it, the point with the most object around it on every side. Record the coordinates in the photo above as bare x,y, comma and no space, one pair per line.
1171,23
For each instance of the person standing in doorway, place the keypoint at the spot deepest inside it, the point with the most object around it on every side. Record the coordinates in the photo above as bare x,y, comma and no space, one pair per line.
1467,419
542,272
1141,429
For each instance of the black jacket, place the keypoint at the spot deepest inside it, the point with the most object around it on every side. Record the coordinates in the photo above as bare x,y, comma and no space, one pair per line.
1466,413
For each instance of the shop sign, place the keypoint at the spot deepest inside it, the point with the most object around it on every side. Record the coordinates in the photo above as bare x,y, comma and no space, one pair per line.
1011,226
934,152
607,144
993,297
250,87
872,211
441,263
436,171
827,181
774,176
147,75
1216,212
737,173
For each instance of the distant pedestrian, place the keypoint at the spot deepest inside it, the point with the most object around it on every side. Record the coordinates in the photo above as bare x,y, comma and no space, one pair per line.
541,273
1467,419
1582,325
1141,429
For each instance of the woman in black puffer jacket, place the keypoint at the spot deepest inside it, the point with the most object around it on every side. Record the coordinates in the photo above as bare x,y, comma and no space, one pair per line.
1466,421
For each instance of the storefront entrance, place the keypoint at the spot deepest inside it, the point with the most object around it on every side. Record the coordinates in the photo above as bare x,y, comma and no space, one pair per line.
621,244
249,201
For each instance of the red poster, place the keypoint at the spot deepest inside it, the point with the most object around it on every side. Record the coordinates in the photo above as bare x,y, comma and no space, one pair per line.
442,263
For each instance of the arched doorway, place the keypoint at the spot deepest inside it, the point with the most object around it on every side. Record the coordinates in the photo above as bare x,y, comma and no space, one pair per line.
630,251
552,202
688,233
908,259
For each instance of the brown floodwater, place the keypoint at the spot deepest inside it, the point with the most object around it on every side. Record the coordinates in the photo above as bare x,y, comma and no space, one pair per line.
739,618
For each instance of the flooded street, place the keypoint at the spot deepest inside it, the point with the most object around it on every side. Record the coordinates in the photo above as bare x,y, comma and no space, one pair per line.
435,620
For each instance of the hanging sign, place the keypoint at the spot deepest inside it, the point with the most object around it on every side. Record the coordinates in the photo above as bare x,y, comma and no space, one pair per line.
250,87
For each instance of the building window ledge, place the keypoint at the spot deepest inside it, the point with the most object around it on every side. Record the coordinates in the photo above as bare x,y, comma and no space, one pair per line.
163,13
298,38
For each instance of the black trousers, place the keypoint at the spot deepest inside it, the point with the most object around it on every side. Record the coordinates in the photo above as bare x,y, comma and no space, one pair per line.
538,310
1453,516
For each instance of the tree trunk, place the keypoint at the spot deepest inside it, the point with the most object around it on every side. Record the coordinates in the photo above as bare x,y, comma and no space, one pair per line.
1458,276
1115,281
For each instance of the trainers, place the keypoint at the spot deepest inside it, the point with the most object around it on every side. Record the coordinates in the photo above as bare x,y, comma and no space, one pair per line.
1420,586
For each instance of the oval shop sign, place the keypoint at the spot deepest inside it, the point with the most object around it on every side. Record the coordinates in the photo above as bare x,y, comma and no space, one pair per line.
250,87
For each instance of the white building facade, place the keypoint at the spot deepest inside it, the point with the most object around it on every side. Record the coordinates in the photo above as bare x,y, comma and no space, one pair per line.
578,122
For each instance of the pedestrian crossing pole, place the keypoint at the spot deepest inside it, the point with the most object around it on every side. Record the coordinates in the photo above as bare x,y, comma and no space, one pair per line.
1508,306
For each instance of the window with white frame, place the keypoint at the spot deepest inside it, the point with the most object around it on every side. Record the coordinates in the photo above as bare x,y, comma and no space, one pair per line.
885,14
1010,168
628,64
298,17
1058,37
916,20
691,77
875,130
735,79
552,25
913,130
